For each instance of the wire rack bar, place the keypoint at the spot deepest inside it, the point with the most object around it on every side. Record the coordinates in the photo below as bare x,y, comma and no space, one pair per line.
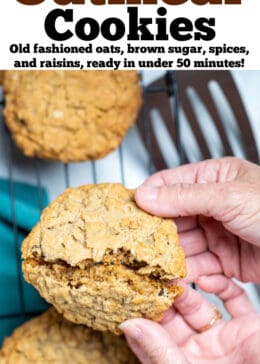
37,167
147,131
173,93
121,161
66,175
155,89
94,171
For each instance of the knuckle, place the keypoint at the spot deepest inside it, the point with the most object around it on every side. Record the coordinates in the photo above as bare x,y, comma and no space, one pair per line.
180,195
234,196
180,191
230,290
233,160
240,193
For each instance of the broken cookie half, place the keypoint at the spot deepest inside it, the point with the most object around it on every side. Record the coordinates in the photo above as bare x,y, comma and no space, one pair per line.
100,259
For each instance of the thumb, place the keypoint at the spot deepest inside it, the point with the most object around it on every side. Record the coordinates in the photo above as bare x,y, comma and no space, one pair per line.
235,204
151,342
183,199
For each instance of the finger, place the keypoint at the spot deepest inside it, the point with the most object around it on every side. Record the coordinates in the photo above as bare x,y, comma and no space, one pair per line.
249,172
186,223
237,209
176,326
193,242
151,343
212,170
183,174
233,296
201,265
223,343
194,308
185,199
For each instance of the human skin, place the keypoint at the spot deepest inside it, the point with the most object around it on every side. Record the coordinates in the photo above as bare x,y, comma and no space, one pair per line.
216,205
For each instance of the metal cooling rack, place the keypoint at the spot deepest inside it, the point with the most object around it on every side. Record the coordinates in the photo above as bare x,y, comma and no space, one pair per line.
169,90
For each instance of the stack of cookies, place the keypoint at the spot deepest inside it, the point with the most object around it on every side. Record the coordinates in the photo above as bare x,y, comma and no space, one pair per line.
95,255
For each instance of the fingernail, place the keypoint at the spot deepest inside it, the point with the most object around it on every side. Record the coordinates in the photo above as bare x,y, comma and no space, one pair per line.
201,281
130,329
147,193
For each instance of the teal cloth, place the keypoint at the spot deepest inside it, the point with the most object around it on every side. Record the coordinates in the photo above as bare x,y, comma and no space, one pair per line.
27,211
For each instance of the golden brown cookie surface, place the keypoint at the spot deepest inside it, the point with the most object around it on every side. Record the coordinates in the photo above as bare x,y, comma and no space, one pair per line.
50,339
70,115
100,260
1,76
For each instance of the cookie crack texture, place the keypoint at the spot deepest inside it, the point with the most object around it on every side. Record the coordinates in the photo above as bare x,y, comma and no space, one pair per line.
94,249
70,115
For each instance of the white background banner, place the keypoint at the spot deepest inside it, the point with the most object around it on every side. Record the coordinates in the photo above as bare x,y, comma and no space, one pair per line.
118,36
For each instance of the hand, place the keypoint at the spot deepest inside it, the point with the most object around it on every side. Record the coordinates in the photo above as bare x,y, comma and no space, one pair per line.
176,339
216,204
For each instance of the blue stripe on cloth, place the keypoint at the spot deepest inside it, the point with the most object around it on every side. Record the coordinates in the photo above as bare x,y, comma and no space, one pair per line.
27,212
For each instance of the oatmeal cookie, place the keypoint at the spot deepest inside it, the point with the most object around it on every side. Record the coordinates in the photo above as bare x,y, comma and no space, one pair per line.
99,259
70,115
1,76
50,339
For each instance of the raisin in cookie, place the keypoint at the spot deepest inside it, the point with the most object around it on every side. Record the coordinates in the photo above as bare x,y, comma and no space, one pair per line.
70,115
99,259
50,339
